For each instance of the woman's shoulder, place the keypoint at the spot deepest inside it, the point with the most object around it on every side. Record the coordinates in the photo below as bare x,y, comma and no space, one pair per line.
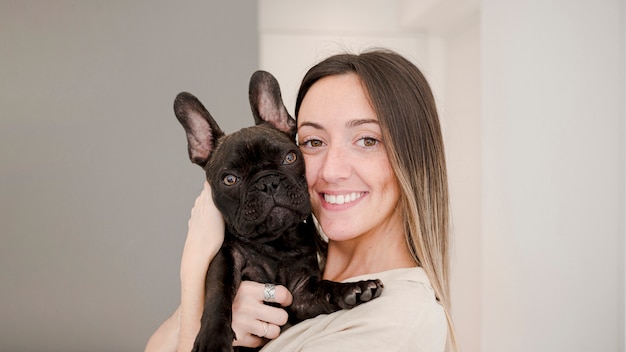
415,276
406,317
408,300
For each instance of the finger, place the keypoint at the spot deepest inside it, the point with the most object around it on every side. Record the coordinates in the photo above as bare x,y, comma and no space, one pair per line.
265,326
248,340
206,190
273,315
260,329
204,201
267,330
205,217
275,294
253,332
272,331
269,291
282,295
250,309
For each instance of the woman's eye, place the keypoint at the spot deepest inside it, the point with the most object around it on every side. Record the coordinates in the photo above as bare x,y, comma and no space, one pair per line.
312,143
290,158
230,180
368,142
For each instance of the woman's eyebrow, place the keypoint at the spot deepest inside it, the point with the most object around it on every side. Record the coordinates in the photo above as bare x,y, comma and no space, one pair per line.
359,122
311,124
349,124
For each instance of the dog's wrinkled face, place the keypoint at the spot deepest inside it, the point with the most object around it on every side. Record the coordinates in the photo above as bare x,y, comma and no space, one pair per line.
258,183
257,173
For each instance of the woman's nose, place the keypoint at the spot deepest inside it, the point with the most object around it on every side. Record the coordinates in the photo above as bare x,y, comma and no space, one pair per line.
337,164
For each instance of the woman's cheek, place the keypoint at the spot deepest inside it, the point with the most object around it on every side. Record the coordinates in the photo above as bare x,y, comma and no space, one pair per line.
310,171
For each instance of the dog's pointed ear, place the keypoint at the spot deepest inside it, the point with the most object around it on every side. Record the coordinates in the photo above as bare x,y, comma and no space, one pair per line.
201,129
267,103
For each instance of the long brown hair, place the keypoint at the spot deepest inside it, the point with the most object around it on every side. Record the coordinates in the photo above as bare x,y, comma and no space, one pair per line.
404,104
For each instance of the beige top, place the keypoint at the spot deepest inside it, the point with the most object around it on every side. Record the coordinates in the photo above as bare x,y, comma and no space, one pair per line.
406,317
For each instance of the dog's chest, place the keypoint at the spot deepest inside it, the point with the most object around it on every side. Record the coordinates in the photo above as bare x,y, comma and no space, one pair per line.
270,265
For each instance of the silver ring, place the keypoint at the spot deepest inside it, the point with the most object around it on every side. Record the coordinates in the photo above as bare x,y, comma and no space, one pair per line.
266,326
269,293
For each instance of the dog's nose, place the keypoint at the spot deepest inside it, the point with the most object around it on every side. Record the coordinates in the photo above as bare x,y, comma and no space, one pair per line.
268,183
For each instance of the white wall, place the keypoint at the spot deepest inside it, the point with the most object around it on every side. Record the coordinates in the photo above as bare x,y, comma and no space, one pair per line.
553,175
532,101
294,35
462,135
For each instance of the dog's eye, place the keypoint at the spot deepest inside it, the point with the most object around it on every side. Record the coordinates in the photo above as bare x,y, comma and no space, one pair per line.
290,158
230,180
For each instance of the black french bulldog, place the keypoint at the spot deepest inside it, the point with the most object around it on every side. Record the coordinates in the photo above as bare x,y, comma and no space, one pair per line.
258,183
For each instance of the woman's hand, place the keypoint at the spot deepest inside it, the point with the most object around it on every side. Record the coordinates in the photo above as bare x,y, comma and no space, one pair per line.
204,239
254,322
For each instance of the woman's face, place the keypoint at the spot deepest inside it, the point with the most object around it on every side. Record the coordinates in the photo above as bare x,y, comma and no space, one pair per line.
353,189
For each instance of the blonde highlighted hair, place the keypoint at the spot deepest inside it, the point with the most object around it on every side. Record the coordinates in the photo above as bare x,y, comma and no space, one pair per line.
405,107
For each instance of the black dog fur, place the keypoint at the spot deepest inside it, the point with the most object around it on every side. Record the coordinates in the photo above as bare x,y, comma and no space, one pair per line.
258,183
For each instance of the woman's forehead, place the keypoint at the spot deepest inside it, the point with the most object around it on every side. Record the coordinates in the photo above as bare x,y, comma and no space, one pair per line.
339,99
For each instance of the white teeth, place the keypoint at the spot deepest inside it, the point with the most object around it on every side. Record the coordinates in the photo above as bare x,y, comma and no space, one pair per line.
342,198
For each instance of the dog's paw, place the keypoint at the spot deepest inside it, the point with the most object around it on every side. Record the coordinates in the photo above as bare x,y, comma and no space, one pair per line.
355,293
209,343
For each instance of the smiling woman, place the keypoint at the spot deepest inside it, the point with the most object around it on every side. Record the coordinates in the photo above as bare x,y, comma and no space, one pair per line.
370,137
369,130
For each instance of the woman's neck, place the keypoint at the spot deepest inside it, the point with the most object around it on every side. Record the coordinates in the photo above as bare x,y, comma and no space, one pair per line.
367,254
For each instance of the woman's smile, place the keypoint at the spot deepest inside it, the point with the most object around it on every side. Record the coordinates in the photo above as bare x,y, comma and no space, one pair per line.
348,198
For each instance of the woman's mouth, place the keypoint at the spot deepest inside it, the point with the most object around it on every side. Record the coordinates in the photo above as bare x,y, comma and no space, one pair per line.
339,199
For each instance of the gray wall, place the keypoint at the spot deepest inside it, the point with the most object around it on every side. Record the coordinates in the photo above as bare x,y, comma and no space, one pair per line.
95,184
